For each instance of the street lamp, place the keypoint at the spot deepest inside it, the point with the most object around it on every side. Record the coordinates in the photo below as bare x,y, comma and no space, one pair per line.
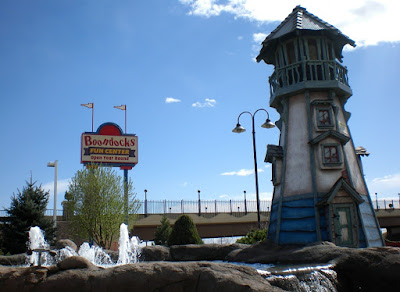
239,129
145,203
245,203
54,164
199,202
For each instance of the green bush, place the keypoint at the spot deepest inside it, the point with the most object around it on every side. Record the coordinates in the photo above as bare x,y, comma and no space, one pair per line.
163,232
184,232
253,236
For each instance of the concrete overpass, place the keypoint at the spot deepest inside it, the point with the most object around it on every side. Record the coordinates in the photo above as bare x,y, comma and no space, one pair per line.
239,224
221,218
209,225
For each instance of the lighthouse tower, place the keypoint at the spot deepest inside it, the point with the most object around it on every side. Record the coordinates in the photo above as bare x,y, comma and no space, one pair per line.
319,190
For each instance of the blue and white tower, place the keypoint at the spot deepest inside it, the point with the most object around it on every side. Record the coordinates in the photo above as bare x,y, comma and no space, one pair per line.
319,189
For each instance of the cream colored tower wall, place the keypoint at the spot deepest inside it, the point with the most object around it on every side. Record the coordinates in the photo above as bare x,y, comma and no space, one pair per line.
298,170
325,179
354,168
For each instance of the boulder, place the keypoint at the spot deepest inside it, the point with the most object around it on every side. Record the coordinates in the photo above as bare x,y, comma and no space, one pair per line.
114,254
13,260
202,252
62,243
369,269
156,276
155,253
76,262
270,253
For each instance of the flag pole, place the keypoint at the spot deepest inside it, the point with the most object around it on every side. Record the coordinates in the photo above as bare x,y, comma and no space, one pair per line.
122,108
91,106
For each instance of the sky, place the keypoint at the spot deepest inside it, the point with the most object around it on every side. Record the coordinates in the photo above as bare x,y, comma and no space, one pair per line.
185,70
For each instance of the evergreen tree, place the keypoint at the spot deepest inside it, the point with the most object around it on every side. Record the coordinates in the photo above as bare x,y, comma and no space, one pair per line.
163,232
27,210
184,232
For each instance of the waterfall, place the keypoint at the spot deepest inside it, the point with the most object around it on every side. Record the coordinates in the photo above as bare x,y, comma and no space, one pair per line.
318,278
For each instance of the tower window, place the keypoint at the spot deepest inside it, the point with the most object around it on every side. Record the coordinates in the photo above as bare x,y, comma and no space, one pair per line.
312,49
324,117
331,154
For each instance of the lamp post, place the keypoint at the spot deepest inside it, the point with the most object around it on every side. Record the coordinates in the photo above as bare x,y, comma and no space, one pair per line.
145,203
239,129
245,203
376,200
54,164
199,202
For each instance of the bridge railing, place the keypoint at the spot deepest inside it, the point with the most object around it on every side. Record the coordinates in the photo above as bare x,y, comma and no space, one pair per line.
386,204
208,207
202,206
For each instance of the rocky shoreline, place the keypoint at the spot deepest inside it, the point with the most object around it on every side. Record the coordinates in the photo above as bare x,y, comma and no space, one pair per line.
188,268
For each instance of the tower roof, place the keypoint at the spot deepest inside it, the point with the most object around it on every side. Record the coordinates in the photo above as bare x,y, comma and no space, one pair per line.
300,20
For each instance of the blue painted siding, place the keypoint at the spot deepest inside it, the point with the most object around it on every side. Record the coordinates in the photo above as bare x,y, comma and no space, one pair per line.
300,224
294,213
297,237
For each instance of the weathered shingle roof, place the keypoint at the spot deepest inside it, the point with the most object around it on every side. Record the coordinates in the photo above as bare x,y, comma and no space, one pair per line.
301,20
331,133
273,151
341,183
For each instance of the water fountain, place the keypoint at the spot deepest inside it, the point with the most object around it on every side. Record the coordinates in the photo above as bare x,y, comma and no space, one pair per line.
129,250
295,278
39,248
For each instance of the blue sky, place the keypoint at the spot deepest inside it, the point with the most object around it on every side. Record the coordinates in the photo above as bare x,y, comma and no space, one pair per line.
186,70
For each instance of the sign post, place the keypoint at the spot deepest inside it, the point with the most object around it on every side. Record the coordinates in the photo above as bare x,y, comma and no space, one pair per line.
109,146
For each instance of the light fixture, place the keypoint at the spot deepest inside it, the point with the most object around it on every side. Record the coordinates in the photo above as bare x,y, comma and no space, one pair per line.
239,129
268,124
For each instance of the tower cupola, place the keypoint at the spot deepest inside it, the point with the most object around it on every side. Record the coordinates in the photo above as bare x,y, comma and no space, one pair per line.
306,52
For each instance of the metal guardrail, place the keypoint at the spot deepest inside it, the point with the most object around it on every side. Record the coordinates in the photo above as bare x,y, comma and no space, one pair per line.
181,207
202,206
210,207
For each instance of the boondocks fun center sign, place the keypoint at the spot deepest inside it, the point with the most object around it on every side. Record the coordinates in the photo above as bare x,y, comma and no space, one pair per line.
109,146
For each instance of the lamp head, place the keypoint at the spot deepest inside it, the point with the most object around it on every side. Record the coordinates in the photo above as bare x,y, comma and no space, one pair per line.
268,124
238,129
51,164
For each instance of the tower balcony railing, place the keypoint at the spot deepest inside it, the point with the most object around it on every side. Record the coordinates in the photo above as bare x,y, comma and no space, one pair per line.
296,74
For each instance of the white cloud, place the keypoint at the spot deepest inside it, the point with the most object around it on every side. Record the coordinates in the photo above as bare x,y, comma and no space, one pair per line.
386,186
259,37
62,187
368,22
242,172
207,103
172,100
240,38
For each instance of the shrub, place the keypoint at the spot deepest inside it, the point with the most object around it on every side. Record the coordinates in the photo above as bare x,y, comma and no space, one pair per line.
184,232
253,236
163,232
